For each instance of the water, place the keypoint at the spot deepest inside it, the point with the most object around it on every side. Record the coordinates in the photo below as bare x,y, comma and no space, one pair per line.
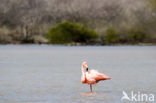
51,74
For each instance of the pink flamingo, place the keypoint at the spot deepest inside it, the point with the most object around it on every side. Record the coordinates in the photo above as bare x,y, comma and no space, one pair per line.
92,76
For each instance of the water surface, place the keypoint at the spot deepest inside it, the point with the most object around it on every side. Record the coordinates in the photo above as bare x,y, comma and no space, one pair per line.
51,74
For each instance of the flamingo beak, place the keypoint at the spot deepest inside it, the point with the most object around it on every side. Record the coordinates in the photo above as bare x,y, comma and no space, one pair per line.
86,66
87,69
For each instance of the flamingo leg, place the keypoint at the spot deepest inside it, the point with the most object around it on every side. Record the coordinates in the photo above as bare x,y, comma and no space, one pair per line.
90,87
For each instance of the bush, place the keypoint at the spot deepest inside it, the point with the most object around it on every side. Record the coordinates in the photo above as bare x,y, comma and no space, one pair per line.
111,36
68,32
136,36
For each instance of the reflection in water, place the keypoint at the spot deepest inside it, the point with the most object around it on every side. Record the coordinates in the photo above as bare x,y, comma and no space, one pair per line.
97,93
88,93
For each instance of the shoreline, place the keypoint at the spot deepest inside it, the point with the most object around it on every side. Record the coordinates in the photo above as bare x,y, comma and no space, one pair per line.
139,44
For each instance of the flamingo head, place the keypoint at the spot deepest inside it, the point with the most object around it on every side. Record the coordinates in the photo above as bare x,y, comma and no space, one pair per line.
84,64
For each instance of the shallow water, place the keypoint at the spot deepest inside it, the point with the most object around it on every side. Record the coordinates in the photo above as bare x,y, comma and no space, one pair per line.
51,74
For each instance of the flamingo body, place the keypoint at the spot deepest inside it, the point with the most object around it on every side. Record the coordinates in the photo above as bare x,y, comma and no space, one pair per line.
92,76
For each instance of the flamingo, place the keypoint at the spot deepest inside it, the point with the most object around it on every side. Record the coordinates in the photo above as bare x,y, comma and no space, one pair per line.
92,76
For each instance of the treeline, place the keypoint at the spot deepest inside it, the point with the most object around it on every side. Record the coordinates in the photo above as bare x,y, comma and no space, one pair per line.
122,21
75,33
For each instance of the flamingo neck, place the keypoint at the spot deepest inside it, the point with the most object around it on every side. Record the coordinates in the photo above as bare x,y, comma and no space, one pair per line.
82,68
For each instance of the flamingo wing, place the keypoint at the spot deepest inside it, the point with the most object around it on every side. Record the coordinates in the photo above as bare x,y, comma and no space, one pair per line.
102,77
95,76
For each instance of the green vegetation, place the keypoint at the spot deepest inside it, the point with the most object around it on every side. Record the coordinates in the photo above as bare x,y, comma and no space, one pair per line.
130,36
112,36
153,3
136,36
68,32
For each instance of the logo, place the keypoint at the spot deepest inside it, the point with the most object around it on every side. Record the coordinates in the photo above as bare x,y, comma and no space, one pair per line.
138,96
